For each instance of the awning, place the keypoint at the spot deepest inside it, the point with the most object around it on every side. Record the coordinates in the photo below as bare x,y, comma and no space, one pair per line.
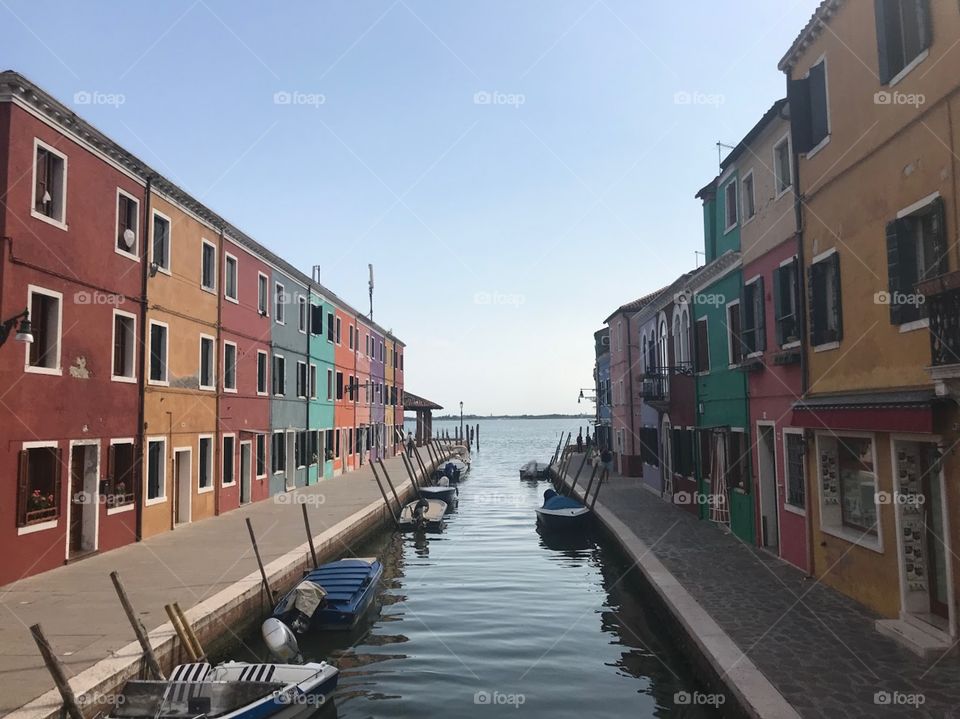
898,411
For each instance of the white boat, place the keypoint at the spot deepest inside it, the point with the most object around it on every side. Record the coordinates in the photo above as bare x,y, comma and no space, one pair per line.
232,690
423,514
533,470
443,491
561,513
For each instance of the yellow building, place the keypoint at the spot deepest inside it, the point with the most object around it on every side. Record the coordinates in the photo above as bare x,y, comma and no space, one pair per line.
873,99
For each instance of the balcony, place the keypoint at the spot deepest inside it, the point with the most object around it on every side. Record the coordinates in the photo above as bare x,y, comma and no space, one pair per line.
943,305
656,382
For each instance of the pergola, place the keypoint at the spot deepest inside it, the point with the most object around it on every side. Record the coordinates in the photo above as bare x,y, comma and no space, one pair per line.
424,409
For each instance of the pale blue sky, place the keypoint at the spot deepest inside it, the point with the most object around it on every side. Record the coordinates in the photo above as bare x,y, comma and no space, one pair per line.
504,226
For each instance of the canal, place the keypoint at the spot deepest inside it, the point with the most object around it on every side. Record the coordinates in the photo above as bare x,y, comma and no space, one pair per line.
488,616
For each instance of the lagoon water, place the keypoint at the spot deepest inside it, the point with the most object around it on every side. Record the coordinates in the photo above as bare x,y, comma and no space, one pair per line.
490,618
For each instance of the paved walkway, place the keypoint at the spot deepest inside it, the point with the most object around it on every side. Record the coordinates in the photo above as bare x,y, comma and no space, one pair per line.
79,609
816,646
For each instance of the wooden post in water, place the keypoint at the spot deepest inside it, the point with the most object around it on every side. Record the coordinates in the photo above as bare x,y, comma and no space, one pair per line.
138,628
191,635
573,486
386,499
577,475
263,572
478,436
306,526
57,671
596,492
386,476
181,631
426,474
408,465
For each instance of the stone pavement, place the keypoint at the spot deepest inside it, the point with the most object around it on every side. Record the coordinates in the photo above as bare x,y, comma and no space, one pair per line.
816,646
78,607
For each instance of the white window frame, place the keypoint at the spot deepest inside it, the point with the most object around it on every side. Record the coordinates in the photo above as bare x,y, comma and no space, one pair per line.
786,473
165,382
702,372
284,374
266,373
154,213
162,440
58,296
848,534
302,314
266,457
263,282
785,138
743,196
135,256
337,330
331,385
817,259
283,452
730,363
279,300
312,381
213,458
212,387
62,223
306,379
730,226
114,377
50,523
236,361
227,258
223,457
761,325
130,506
208,288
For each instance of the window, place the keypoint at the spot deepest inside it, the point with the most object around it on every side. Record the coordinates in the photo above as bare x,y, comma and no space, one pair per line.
158,352
330,326
749,201
229,367
313,381
228,476
903,33
316,320
783,175
278,457
302,316
381,351
649,453
753,331
338,331
705,447
279,375
730,205
796,486
734,333
681,445
261,372
128,223
38,489
916,251
205,464
124,345
848,483
49,184
352,387
702,346
262,288
121,473
261,455
336,451
366,344
786,293
738,461
46,320
328,444
208,266
350,336
339,385
329,384
301,379
809,109
160,245
279,302
300,449
230,277
156,469
826,312
206,375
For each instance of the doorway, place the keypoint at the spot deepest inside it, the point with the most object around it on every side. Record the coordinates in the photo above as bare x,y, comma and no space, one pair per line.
666,457
291,473
84,498
181,485
769,496
245,472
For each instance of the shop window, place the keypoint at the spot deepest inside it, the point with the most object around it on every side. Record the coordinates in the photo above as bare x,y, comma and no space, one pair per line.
796,483
848,483
38,489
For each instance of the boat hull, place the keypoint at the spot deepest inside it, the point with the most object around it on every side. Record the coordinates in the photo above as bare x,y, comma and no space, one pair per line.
563,519
350,585
444,494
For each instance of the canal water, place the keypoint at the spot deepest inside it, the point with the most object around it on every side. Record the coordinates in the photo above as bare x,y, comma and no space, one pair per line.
488,617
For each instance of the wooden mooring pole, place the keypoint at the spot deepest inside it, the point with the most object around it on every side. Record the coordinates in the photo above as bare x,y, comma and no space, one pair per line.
577,475
306,526
478,436
138,628
386,499
574,485
386,476
263,572
57,671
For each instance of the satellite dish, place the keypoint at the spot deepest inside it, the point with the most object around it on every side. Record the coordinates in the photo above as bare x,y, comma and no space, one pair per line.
129,238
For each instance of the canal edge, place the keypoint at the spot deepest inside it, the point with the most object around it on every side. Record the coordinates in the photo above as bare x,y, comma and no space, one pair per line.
753,692
226,608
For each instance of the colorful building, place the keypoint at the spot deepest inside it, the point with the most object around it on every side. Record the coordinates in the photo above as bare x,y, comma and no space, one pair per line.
321,381
347,391
601,378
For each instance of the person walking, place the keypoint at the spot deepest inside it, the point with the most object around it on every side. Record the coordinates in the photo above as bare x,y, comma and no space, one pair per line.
410,444
580,442
606,459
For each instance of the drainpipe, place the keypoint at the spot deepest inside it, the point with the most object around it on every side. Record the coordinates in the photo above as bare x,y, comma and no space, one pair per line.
219,352
142,373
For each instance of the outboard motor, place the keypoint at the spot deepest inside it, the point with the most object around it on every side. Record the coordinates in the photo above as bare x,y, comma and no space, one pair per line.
280,641
418,511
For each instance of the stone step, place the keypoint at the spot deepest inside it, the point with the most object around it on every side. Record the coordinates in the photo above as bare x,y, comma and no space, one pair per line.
927,643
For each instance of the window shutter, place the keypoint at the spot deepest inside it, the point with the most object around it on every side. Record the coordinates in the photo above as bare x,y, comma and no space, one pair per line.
838,298
815,308
924,23
893,270
760,316
818,104
23,486
940,249
798,94
112,469
42,167
880,13
58,475
777,305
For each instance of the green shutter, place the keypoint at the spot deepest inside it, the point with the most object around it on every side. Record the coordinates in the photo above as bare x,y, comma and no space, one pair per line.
759,319
894,267
777,306
838,297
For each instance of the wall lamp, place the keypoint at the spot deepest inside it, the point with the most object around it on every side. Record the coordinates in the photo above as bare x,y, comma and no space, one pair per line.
23,330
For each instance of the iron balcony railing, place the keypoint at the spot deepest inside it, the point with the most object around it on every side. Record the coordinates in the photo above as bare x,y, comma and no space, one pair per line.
656,381
942,297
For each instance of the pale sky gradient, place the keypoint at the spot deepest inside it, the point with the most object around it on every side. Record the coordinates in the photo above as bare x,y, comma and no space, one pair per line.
502,232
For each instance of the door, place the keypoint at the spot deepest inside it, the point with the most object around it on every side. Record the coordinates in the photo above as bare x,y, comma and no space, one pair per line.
291,473
84,498
769,502
181,486
245,469
666,458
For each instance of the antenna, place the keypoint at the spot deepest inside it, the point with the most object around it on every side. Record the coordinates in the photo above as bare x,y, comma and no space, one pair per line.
720,147
696,258
371,292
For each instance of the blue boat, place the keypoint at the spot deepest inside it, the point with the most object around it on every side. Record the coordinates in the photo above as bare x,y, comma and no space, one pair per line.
561,513
332,596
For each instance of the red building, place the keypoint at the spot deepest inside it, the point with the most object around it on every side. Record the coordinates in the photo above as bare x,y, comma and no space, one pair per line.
73,242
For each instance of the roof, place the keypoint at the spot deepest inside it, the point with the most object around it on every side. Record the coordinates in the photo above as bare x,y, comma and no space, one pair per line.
412,401
16,88
709,189
713,271
635,304
815,25
767,118
668,296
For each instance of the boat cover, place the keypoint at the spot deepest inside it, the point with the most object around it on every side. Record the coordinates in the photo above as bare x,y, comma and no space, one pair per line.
552,500
305,597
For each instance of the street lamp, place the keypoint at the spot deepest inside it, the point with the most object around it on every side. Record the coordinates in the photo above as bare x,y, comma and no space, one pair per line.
23,329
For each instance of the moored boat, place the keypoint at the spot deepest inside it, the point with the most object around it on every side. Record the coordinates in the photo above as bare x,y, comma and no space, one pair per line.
443,491
423,514
533,470
561,513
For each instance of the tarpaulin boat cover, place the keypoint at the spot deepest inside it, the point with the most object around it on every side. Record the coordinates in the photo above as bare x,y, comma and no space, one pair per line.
305,597
552,500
